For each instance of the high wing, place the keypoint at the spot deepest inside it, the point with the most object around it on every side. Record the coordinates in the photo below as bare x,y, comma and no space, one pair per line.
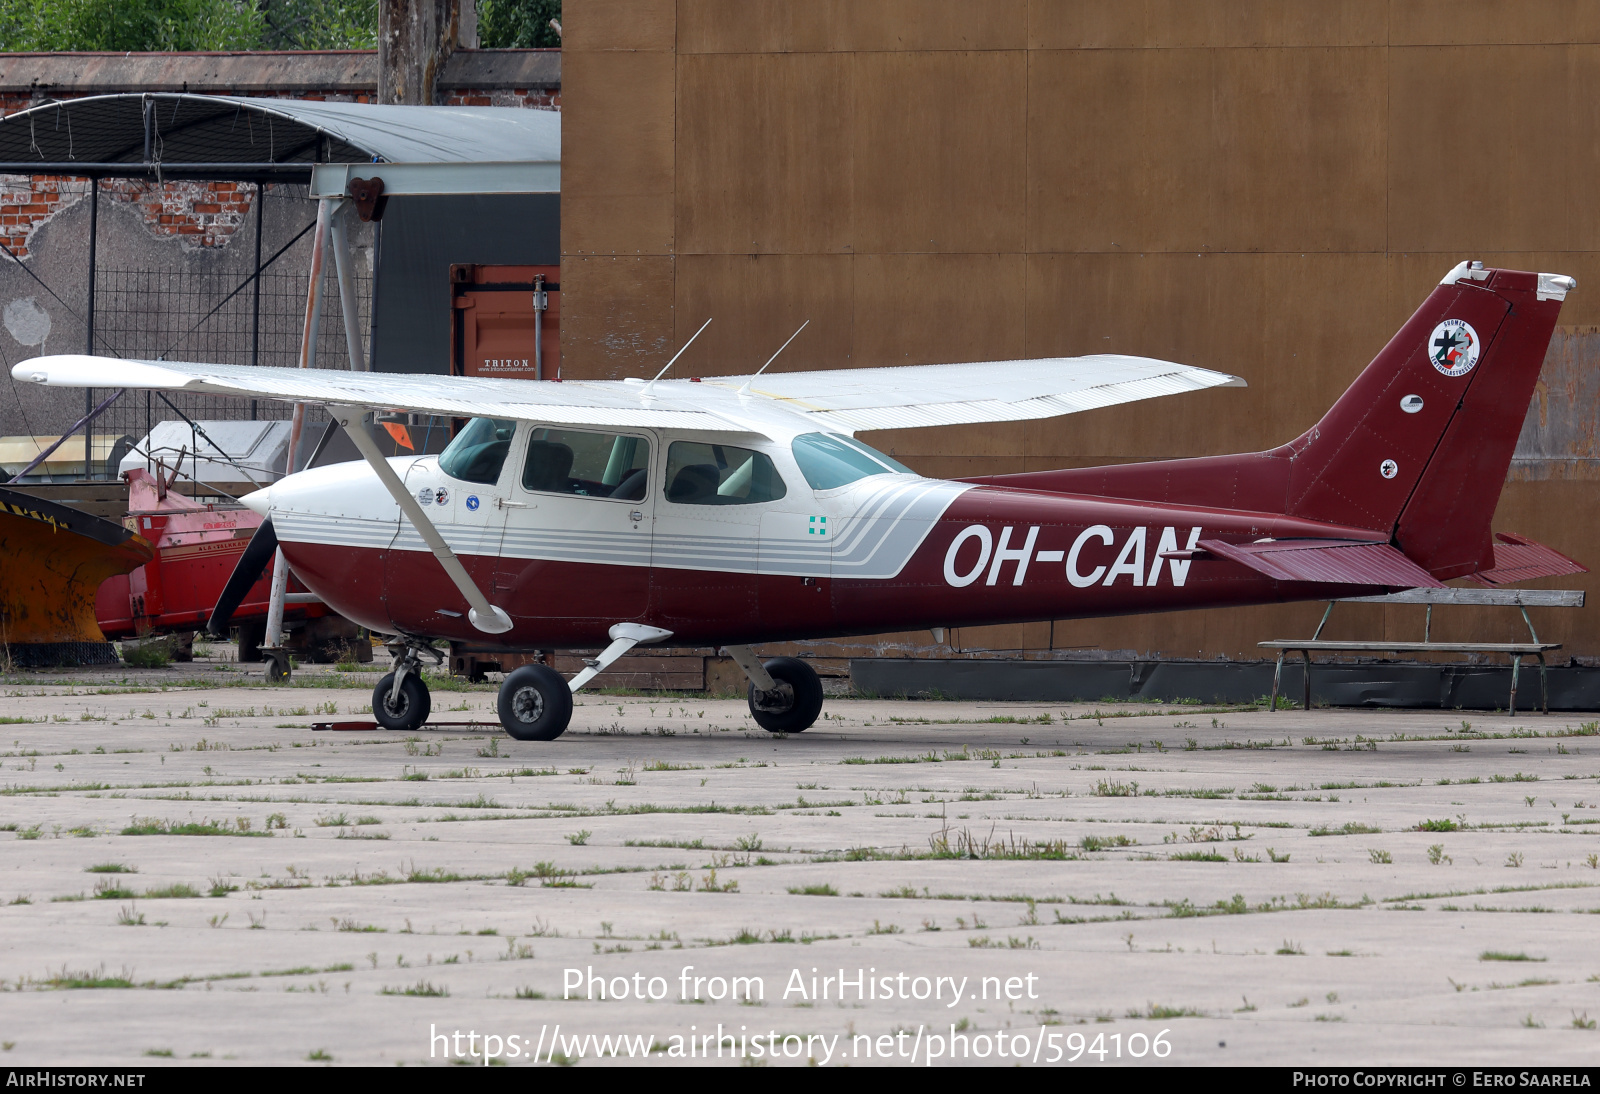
839,400
609,403
906,396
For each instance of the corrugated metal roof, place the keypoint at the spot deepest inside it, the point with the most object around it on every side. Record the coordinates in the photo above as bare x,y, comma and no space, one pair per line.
192,129
1340,562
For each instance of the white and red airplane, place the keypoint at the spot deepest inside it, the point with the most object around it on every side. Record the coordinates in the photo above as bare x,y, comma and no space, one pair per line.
740,510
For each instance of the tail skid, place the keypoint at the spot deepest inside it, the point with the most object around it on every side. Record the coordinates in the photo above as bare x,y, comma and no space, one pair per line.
1416,449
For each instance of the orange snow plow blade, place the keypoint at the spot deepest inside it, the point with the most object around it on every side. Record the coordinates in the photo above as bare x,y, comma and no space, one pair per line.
52,561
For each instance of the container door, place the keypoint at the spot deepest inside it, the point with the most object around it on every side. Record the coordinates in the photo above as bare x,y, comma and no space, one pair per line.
507,321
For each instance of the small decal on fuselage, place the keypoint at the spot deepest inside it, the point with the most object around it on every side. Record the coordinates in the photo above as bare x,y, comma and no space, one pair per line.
425,495
1411,404
962,568
1388,469
472,503
442,497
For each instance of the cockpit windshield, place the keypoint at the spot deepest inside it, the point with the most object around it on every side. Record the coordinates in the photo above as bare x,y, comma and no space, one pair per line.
479,451
828,460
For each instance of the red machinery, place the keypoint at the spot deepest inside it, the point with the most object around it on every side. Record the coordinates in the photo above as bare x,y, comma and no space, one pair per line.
197,546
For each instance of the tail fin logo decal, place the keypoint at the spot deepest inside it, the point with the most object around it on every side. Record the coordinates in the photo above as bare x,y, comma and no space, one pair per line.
1453,347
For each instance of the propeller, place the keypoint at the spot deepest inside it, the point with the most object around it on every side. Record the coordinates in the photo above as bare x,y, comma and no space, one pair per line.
251,565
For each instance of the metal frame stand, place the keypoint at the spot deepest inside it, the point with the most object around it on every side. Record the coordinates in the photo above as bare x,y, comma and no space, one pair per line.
1427,631
331,228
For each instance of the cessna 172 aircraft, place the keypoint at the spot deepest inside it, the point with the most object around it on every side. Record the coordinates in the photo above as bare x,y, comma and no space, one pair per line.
742,510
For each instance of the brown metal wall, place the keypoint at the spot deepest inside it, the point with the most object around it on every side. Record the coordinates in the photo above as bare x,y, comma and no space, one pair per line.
1265,187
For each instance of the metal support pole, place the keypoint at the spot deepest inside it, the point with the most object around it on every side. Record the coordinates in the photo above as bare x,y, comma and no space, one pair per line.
308,358
1318,632
344,263
541,300
1305,655
1516,670
88,394
255,302
280,584
1427,624
1277,678
372,312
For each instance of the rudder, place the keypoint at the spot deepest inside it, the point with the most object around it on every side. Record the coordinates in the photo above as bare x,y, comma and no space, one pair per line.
1445,523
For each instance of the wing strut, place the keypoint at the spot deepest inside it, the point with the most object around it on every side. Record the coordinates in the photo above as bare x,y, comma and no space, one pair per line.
485,616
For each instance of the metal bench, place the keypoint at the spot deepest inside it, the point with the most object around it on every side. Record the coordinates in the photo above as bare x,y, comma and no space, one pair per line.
1522,599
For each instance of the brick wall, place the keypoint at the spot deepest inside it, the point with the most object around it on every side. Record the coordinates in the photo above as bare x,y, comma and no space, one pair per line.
533,98
25,204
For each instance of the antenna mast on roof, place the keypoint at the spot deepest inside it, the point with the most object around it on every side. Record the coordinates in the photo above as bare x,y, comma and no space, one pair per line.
675,356
745,390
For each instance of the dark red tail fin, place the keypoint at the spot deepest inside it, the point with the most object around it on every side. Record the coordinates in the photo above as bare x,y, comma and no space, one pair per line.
1417,448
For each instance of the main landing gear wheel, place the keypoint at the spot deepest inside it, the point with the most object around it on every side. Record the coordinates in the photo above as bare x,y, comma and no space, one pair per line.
535,703
404,712
796,703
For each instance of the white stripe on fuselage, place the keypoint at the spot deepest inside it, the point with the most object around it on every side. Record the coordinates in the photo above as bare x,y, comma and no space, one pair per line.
880,522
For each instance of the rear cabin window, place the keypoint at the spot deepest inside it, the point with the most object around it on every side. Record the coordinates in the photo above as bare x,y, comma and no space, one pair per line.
595,465
829,460
720,474
479,451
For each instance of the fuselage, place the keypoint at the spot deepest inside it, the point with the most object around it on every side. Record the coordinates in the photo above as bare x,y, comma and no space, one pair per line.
742,538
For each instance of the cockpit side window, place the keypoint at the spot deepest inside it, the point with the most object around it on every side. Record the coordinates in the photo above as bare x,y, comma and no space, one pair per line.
830,460
479,451
720,474
594,465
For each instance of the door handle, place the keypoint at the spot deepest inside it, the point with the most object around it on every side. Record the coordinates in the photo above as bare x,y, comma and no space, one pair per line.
502,503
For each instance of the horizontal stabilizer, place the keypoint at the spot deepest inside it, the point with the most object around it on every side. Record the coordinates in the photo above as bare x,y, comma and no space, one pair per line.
1331,561
1518,558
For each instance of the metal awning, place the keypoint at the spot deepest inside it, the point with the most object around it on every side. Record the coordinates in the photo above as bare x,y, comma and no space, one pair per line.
172,135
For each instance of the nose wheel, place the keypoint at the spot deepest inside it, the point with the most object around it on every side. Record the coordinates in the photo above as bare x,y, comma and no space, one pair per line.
406,710
401,701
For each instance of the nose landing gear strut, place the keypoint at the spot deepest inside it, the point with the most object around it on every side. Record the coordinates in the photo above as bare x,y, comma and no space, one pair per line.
401,700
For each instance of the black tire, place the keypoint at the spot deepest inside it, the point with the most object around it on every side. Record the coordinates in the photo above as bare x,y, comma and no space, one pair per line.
535,704
409,710
805,702
278,669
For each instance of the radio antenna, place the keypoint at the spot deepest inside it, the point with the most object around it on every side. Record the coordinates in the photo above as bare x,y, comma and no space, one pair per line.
745,390
675,356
